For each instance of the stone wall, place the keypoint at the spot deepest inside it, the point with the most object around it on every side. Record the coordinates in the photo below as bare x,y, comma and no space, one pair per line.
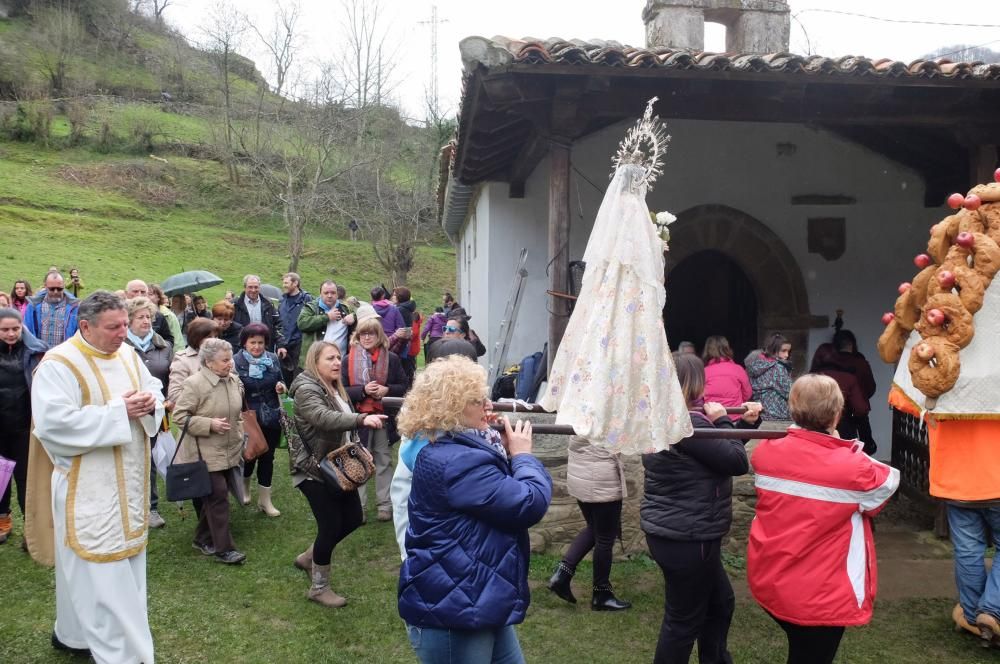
563,520
752,26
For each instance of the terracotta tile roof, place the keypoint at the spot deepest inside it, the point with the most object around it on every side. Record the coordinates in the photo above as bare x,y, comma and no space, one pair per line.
505,51
491,137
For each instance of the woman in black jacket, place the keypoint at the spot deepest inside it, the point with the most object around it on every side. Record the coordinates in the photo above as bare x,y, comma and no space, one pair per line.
686,510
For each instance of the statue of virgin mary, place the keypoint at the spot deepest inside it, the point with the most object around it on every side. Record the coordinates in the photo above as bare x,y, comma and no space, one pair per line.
613,378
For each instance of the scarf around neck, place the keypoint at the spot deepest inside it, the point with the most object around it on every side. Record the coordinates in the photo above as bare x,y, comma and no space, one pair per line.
142,343
257,366
491,438
363,368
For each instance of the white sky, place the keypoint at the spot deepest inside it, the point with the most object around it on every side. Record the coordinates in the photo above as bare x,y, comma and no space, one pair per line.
619,20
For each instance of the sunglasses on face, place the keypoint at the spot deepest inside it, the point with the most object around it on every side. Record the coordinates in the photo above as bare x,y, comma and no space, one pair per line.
452,330
55,289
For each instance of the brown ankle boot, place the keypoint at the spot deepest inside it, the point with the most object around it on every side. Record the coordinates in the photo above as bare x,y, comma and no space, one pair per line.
304,561
989,629
320,591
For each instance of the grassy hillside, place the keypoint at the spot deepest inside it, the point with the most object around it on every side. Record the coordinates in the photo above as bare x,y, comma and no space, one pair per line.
121,184
118,217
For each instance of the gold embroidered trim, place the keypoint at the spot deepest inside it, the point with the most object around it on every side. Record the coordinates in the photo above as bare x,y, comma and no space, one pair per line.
127,533
81,345
84,388
71,539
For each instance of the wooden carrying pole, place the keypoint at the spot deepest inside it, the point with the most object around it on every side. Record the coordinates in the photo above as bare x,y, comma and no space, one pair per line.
395,403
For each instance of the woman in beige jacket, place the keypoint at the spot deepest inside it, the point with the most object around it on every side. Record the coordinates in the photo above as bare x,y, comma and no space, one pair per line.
210,407
596,479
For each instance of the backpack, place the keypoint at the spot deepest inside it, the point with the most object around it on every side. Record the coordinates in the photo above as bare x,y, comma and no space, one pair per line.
506,383
525,388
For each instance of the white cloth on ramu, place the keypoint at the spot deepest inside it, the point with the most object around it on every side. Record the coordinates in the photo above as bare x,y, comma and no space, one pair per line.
613,378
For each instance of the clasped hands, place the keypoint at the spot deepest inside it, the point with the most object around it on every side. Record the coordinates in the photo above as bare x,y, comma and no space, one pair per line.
139,404
375,390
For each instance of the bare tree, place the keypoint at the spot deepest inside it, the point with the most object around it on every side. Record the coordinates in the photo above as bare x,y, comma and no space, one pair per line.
365,68
59,33
282,42
223,34
297,162
394,211
154,7
159,6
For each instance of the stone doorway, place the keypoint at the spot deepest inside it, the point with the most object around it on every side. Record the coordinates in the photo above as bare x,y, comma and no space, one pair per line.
709,293
763,258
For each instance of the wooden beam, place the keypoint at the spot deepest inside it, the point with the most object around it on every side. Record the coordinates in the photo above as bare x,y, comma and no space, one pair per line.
984,163
558,255
527,160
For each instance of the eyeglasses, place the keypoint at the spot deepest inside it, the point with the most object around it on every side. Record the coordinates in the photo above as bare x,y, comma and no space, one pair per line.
452,330
56,289
368,333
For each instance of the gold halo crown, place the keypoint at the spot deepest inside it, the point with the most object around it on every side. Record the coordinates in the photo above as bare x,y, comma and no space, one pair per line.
644,145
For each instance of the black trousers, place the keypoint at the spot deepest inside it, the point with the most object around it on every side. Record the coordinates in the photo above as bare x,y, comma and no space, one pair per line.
603,525
14,446
409,368
290,363
265,462
811,645
699,601
337,516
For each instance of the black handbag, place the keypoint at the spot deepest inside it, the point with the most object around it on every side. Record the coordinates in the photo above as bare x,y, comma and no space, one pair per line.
186,481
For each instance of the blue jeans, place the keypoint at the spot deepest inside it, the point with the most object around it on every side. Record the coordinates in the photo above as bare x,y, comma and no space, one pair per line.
977,593
461,646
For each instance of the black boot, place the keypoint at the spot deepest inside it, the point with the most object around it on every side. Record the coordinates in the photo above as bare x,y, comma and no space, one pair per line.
604,600
559,583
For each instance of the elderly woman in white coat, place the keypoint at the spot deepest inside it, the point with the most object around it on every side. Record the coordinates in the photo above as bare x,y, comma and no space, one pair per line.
595,477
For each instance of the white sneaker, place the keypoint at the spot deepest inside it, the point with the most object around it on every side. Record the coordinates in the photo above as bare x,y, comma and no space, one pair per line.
155,520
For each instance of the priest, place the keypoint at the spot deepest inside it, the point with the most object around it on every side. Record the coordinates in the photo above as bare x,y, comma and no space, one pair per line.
95,408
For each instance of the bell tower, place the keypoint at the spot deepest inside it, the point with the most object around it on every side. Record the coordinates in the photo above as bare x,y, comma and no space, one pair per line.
752,26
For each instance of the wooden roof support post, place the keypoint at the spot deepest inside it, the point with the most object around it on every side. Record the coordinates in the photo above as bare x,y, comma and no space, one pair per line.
558,257
984,162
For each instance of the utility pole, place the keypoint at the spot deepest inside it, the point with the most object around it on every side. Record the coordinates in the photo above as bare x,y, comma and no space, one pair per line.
434,22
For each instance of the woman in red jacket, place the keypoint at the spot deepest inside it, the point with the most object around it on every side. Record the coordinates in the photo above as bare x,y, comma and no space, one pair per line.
811,556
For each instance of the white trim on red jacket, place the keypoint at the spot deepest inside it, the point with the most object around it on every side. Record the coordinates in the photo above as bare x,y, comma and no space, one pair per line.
811,555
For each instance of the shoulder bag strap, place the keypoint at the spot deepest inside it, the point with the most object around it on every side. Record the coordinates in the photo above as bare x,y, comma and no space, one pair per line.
183,434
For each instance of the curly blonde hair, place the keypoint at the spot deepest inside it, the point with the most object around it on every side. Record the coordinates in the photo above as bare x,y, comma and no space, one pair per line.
439,395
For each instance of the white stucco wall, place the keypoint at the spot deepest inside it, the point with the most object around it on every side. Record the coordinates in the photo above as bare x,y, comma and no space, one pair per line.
738,165
474,266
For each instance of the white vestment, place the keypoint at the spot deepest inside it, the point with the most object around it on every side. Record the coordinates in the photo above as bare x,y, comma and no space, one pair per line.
100,495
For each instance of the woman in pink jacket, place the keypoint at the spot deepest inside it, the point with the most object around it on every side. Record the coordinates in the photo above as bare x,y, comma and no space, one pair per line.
811,555
725,381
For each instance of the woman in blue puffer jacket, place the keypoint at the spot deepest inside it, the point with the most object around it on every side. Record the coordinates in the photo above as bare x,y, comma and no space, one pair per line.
474,494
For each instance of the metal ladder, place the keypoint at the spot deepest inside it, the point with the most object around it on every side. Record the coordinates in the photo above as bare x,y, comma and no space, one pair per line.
499,356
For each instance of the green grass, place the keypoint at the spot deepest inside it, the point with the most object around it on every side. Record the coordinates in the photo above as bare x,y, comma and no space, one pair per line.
61,212
201,611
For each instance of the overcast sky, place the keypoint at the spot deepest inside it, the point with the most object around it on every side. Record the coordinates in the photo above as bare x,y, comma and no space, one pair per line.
619,20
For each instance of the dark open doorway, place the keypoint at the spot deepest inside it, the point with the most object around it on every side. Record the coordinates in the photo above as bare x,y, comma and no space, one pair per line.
708,293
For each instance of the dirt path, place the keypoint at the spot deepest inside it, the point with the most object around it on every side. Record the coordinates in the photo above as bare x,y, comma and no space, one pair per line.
911,564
